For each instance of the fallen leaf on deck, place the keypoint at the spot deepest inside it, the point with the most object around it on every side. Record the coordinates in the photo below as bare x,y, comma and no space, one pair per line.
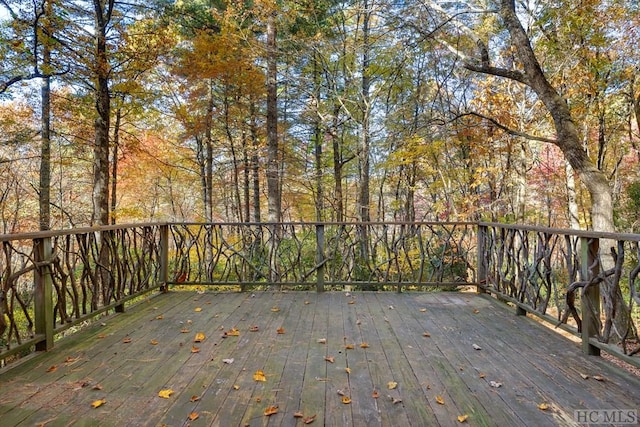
439,400
341,393
127,340
347,370
375,394
236,387
185,330
391,307
584,376
349,347
322,341
153,342
298,414
346,400
426,334
233,333
495,384
259,376
391,385
275,309
364,345
330,359
280,331
310,419
358,322
482,375
195,349
351,302
194,398
462,418
96,387
101,336
52,368
395,400
254,329
476,347
159,317
476,311
307,303
423,310
165,393
98,403
197,309
200,336
193,416
543,406
271,410
227,361
598,378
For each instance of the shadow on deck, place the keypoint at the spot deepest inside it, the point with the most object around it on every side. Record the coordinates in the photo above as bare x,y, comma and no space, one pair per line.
444,354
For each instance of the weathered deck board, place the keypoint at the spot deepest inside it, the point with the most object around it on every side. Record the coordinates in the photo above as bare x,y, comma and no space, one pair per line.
534,365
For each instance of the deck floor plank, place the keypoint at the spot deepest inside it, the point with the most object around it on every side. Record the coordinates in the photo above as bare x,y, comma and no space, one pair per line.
533,363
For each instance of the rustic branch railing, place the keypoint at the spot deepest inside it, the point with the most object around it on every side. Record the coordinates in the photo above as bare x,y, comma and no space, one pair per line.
52,281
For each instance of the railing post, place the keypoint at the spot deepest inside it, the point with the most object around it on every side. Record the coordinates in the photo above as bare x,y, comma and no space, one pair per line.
164,257
481,278
590,298
320,257
43,298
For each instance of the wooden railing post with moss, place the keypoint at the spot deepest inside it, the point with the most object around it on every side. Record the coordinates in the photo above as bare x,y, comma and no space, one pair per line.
590,298
43,293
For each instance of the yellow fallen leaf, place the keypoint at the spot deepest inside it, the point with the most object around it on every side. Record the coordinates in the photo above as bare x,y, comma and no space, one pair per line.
349,347
159,317
233,332
271,410
185,330
351,302
423,310
462,418
200,336
236,387
346,400
195,349
543,406
193,416
280,331
98,403
364,345
275,309
194,398
482,375
198,309
476,311
347,370
259,376
153,342
439,400
392,385
165,393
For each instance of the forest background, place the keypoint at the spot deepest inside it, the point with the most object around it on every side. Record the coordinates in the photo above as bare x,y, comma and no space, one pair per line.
269,110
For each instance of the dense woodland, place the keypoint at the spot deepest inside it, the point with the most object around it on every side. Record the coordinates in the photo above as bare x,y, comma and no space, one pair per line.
269,110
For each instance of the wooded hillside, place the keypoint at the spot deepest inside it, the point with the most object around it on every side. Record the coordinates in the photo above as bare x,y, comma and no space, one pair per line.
268,110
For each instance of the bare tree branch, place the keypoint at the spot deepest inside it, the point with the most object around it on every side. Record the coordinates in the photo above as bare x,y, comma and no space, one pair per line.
509,130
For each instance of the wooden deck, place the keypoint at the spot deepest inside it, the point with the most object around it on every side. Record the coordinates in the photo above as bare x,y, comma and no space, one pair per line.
423,342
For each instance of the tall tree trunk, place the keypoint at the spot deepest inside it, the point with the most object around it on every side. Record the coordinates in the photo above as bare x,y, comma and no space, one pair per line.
208,155
114,166
45,150
103,12
317,140
273,182
364,213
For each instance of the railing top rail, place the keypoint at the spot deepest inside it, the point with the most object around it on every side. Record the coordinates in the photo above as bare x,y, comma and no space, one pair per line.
312,223
565,231
67,231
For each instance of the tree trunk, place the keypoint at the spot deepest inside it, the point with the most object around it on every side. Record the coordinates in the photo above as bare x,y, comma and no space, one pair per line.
255,163
114,166
273,182
45,150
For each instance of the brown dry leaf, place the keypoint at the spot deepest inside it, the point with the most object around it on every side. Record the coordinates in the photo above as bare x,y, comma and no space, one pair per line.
200,336
349,347
482,375
101,336
233,332
307,302
254,329
197,309
98,403
127,340
351,302
364,345
153,342
476,311
543,406
195,349
584,376
194,398
395,400
96,387
330,359
185,330
298,414
166,393
159,317
193,416
423,310
309,420
52,368
347,370
346,400
322,341
236,387
271,410
275,309
70,359
358,322
598,377
280,331
426,334
463,418
392,385
439,400
259,376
